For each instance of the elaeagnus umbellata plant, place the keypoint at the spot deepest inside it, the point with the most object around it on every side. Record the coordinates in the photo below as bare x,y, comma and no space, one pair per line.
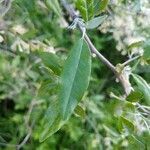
75,75
61,82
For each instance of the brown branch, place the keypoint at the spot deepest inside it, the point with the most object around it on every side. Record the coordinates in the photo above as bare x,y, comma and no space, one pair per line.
125,83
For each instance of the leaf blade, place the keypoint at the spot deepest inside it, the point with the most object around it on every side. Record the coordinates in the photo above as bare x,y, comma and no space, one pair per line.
134,96
75,78
52,121
94,23
143,87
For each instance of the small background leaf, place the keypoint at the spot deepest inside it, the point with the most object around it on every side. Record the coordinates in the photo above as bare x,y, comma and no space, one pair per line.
127,124
103,5
135,45
94,23
147,51
86,8
135,143
51,61
54,5
134,96
79,111
143,87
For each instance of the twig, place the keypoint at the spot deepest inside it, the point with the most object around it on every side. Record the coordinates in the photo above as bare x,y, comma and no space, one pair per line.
125,84
99,55
28,126
24,140
130,60
142,108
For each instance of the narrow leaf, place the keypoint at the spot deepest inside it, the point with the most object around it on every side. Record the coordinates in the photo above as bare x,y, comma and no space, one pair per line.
135,96
127,124
143,87
75,78
86,8
51,129
134,45
97,7
52,121
147,51
82,7
79,111
94,23
103,5
90,8
135,143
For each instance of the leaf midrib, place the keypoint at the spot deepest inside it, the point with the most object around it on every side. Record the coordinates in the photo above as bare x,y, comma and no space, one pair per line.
73,80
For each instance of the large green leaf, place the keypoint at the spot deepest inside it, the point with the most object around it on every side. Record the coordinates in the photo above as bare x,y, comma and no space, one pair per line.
75,78
51,129
143,87
52,121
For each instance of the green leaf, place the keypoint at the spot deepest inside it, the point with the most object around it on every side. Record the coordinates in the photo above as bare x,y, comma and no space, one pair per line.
79,111
135,143
127,124
90,9
143,87
52,112
51,129
146,55
120,125
94,23
52,121
51,61
100,6
47,88
103,5
75,78
128,107
134,96
86,8
97,7
135,45
54,5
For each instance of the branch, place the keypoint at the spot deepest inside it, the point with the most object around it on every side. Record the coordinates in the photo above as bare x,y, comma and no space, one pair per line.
130,60
125,84
24,141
